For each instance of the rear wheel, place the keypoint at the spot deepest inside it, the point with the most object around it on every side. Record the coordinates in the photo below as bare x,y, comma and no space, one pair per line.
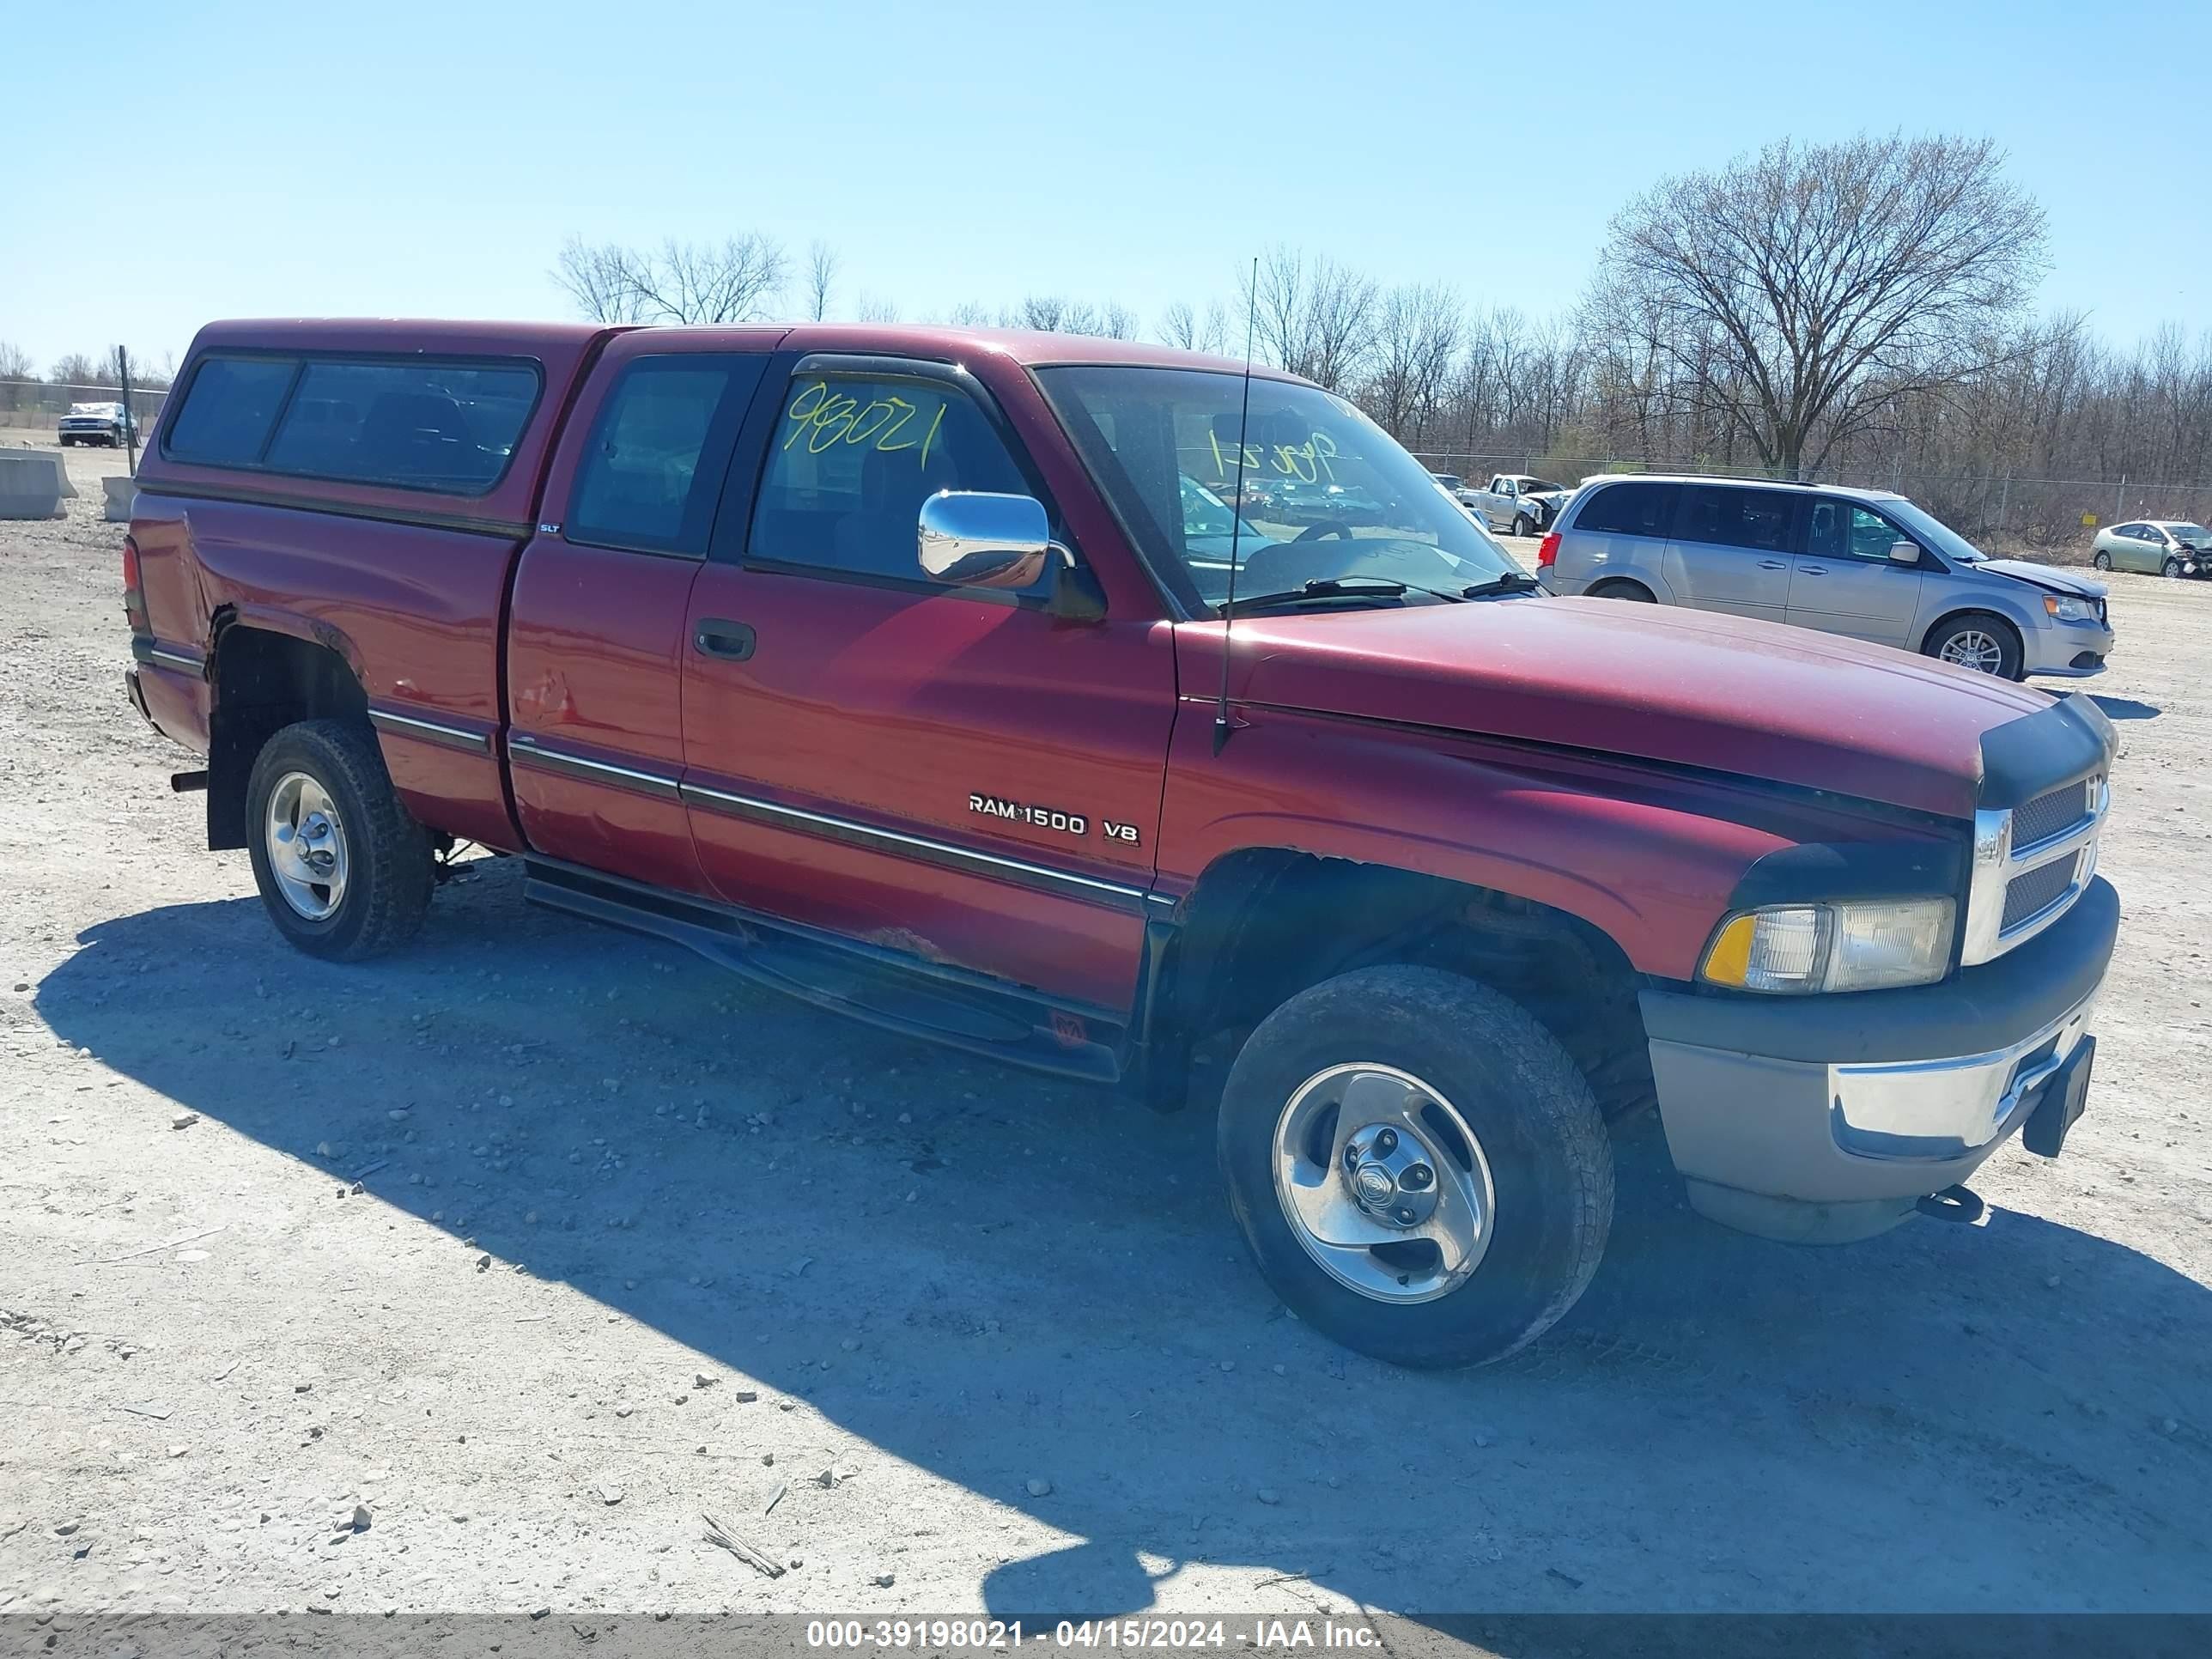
1419,1169
1619,590
2101,559
1979,641
344,870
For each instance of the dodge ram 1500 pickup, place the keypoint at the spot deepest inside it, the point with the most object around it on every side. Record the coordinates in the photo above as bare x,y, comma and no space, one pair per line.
898,669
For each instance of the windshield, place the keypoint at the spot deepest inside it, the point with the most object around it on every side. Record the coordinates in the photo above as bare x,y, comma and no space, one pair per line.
2190,535
1932,532
1326,494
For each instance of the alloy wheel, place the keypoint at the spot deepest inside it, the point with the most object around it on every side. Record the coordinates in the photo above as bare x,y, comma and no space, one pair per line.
1384,1183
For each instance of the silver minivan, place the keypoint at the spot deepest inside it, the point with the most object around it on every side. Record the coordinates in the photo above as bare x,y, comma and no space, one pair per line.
1862,562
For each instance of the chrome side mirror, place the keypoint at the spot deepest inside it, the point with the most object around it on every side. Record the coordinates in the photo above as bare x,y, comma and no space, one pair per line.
1904,553
972,539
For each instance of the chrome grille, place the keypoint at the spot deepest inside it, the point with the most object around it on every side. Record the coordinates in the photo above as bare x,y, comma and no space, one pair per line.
2028,895
2030,864
2049,816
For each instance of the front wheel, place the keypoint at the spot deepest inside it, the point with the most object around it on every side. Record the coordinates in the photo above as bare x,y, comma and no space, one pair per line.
1521,526
2172,569
1977,641
344,870
1417,1166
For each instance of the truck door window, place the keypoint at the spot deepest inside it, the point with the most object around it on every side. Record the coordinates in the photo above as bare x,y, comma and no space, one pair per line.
851,461
651,473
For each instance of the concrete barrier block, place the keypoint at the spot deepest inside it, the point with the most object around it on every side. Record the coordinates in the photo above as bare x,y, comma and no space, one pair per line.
34,483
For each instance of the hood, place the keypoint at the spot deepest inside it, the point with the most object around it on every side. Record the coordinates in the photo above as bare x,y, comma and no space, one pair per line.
1685,688
2050,578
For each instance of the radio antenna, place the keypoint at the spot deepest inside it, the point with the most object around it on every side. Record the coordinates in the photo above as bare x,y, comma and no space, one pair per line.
1236,510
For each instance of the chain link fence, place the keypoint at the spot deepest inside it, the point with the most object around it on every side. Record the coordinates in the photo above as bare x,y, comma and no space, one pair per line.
2049,515
28,408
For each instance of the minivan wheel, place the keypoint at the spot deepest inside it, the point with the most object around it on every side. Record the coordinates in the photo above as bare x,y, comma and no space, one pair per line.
1979,641
1418,1168
2171,569
2101,559
344,870
1617,590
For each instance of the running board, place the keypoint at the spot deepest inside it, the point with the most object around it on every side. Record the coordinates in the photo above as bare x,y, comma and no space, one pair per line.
895,993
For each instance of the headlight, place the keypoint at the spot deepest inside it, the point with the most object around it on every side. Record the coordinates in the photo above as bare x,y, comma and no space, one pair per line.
1855,947
2067,610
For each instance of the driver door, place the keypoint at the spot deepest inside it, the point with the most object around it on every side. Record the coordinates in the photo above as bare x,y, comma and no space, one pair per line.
952,775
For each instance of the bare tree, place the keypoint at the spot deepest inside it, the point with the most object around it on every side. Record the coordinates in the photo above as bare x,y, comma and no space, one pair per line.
727,282
1416,337
15,361
1313,318
1048,313
596,277
1802,287
821,274
874,308
79,369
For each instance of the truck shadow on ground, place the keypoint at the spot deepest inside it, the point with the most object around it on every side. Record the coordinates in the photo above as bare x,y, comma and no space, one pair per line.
2126,709
1044,1284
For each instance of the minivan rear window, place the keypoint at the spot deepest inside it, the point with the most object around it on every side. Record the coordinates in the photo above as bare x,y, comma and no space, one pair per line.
1629,509
448,426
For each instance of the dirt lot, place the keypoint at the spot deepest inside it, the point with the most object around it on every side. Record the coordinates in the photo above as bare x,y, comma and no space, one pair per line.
634,1241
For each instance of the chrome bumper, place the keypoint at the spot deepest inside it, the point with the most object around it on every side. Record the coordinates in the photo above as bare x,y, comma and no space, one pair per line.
1941,1111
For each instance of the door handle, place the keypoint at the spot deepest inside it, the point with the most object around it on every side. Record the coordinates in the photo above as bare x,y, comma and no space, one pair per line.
732,640
1812,570
1773,564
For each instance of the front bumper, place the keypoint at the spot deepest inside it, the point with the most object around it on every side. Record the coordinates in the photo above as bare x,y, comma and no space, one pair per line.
1823,1118
2067,651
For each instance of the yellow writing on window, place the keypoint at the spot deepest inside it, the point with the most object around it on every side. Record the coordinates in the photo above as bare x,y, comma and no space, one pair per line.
826,418
1309,462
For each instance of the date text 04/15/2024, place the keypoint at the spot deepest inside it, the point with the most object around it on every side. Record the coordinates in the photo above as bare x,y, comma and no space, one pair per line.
1158,1635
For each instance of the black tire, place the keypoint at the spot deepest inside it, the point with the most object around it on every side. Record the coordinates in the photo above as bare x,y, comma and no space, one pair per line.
2171,570
1520,527
2101,559
2006,636
1527,1107
1635,592
389,869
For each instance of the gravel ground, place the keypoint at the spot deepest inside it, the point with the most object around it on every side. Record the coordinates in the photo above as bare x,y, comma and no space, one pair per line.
537,1241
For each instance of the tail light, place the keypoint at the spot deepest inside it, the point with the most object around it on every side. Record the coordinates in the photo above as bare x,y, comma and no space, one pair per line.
1547,550
133,598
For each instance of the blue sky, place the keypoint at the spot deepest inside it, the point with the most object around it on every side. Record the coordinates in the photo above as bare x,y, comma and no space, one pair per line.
402,158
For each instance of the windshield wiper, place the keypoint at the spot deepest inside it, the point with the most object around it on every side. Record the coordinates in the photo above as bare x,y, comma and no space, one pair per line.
1329,587
1513,581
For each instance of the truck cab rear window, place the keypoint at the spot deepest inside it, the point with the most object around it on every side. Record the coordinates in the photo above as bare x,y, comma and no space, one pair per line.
651,474
422,424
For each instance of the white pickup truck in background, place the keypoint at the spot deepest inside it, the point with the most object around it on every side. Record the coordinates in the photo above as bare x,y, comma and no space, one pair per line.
1517,503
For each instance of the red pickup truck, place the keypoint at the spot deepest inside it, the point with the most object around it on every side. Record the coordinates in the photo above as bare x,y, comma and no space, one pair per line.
897,668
